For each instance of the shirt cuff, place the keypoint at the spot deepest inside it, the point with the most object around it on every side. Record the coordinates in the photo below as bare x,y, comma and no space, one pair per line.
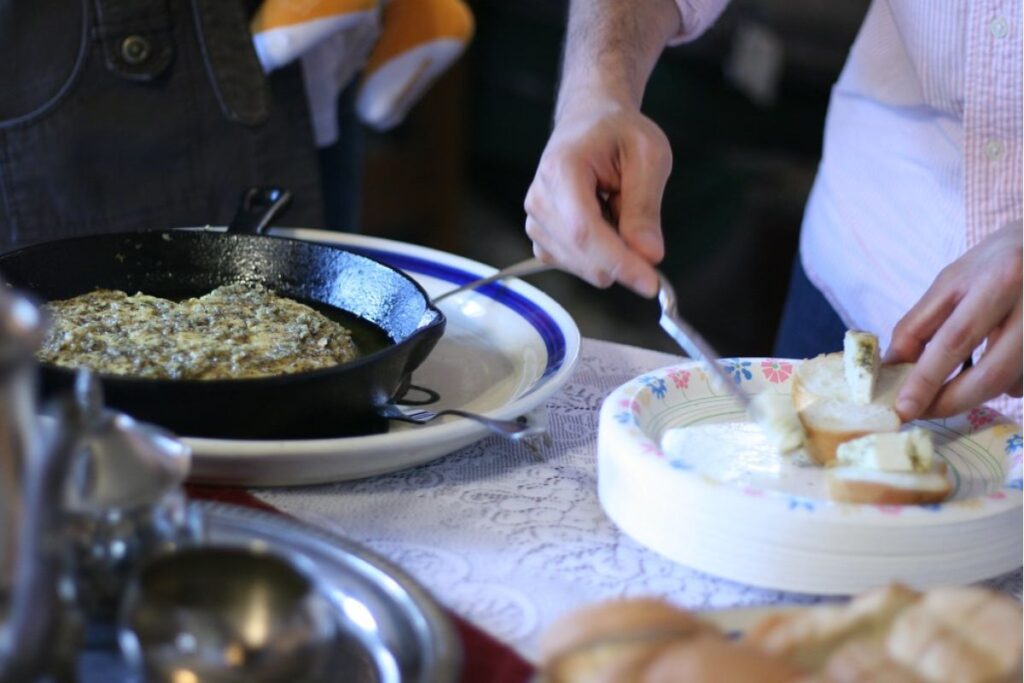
696,16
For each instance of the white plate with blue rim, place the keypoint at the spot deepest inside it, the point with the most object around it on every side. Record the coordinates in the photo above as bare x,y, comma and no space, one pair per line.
506,349
724,502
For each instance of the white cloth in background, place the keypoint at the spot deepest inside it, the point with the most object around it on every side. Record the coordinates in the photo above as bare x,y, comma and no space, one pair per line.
922,153
511,542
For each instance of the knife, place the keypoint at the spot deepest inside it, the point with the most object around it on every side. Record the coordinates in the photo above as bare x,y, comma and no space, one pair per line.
778,419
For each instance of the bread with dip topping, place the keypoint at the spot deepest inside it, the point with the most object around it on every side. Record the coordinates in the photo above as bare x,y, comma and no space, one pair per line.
846,395
889,469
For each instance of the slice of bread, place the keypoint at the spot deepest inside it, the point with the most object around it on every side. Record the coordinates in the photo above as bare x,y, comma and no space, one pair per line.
877,487
824,377
829,423
830,417
896,468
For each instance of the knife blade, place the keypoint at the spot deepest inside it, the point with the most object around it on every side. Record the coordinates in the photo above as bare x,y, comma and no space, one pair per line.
777,418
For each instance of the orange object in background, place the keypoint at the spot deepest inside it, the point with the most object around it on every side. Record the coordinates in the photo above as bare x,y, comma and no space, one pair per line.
401,46
420,40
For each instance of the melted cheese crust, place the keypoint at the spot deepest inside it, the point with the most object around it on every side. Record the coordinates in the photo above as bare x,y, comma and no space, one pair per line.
235,331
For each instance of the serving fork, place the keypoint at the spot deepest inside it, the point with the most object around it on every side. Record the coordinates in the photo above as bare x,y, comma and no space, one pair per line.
520,269
530,429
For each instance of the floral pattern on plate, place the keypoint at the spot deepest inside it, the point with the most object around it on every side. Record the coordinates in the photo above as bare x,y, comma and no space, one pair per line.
981,448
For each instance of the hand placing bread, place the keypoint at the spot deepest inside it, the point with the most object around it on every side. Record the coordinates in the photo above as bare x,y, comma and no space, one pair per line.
954,634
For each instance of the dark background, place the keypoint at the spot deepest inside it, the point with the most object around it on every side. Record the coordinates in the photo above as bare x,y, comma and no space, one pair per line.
455,174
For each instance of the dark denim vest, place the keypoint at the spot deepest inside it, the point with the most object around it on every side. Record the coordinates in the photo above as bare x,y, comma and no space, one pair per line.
135,114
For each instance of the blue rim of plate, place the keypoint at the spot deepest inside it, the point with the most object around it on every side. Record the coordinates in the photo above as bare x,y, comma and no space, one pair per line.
539,319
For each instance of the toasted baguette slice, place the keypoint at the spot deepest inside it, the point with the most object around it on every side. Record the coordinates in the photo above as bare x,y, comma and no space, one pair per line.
830,423
822,399
824,377
877,487
908,451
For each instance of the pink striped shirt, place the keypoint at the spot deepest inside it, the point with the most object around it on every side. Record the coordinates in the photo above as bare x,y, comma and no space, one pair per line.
922,153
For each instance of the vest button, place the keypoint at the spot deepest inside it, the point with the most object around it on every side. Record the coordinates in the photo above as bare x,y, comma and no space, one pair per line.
135,50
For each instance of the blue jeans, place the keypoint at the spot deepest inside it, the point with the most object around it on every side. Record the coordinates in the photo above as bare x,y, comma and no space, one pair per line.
809,324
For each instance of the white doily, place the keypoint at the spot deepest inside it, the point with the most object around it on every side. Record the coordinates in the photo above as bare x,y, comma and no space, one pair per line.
512,542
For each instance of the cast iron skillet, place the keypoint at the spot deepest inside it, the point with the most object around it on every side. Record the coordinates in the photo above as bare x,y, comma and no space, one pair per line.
339,401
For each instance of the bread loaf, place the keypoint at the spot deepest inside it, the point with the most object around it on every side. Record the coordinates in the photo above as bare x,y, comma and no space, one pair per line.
612,642
893,634
710,660
809,637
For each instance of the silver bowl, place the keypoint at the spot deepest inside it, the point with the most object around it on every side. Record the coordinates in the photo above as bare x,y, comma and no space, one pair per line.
390,629
228,614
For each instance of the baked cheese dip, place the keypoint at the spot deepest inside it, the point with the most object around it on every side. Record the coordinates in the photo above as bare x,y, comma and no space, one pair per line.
235,331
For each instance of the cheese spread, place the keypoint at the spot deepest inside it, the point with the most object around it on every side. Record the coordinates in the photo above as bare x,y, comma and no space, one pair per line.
907,451
861,365
235,331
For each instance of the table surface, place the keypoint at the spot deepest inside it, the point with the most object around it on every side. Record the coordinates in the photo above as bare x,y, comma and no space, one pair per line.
512,541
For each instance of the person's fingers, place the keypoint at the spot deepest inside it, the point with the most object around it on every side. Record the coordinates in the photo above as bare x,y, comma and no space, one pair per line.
543,254
965,328
997,372
592,244
912,333
539,238
613,207
561,229
646,164
541,213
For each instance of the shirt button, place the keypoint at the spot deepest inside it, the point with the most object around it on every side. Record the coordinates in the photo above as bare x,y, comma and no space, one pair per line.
999,28
135,50
995,149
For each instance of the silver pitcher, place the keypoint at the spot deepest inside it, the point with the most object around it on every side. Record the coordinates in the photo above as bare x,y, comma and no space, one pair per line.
34,589
84,498
123,500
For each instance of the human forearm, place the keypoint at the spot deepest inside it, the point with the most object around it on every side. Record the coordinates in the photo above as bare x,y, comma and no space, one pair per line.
611,47
604,155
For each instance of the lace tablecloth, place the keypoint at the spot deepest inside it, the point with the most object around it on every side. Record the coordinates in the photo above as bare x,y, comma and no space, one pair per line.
510,541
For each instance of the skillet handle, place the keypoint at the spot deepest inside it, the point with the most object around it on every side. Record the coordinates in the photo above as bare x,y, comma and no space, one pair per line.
259,206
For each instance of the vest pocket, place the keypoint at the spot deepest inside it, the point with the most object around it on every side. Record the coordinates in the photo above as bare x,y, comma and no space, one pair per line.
43,46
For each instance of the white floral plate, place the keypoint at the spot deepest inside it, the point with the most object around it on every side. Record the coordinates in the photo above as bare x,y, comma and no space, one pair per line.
506,349
725,503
